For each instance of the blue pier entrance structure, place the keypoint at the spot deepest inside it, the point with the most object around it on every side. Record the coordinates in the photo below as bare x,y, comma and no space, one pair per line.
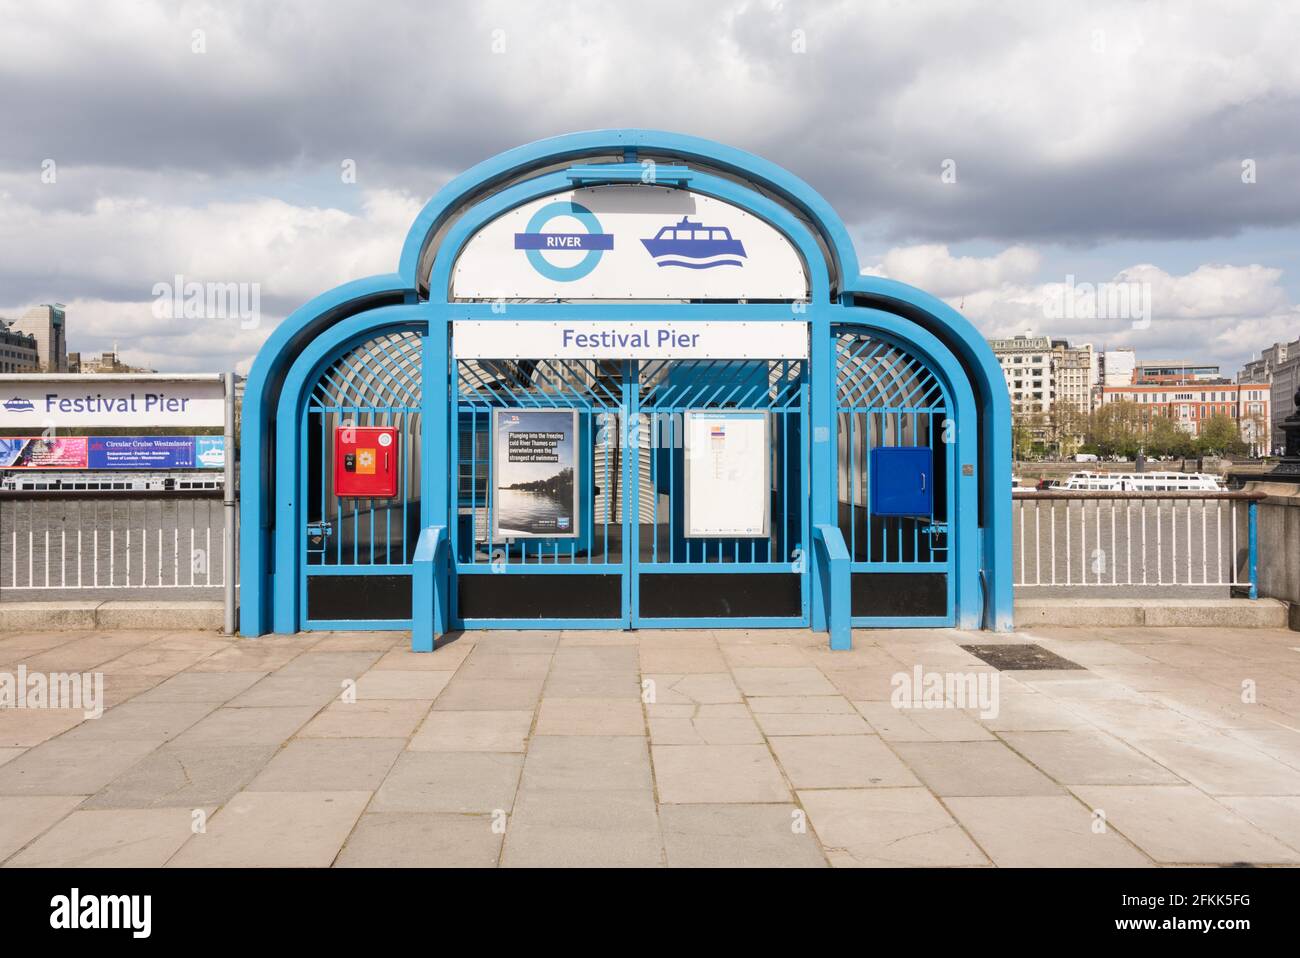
625,379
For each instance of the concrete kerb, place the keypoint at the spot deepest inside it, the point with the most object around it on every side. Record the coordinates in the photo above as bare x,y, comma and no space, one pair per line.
111,615
1153,613
1080,612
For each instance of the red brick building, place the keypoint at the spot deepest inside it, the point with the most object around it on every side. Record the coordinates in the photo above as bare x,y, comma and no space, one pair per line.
1190,404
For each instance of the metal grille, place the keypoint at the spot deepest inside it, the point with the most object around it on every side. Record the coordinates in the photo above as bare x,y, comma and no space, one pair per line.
595,388
668,390
887,397
375,384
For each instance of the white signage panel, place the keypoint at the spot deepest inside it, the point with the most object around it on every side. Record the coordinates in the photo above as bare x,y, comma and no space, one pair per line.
628,241
30,403
728,478
652,339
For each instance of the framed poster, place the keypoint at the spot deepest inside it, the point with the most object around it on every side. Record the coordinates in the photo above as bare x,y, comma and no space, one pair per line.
728,473
535,473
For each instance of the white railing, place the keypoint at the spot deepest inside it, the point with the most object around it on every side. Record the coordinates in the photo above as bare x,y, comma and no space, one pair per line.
110,542
1120,540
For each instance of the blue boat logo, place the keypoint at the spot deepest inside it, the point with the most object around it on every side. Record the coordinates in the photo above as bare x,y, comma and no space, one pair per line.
695,246
18,404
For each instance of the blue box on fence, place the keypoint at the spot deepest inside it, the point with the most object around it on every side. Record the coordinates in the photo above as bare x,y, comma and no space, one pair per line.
902,481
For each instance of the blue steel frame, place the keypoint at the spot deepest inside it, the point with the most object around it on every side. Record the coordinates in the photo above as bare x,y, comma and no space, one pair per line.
271,536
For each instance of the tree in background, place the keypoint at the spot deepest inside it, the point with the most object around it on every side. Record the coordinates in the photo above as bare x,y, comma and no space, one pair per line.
1220,436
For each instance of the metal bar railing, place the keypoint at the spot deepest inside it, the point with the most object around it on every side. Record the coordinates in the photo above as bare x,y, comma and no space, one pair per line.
55,543
1143,539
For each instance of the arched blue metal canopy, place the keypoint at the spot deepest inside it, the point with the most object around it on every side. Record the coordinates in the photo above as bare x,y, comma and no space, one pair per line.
840,294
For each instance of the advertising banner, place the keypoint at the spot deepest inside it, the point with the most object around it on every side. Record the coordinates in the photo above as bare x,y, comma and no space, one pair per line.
210,452
534,473
727,473
34,452
141,452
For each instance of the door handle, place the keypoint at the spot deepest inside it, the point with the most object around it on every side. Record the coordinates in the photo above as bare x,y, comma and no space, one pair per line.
923,482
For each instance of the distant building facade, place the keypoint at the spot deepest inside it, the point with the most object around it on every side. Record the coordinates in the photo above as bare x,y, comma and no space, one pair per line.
18,353
1118,366
1278,366
102,363
46,324
1175,371
1190,405
1027,365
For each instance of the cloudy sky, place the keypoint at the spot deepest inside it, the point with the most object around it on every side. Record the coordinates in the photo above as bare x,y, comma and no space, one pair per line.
985,152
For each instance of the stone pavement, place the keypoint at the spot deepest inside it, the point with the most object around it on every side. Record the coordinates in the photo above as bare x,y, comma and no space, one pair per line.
759,748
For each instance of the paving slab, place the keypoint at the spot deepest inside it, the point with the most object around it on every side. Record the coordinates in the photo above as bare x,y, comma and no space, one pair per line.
1180,825
479,731
23,818
590,716
739,836
595,763
711,774
480,783
274,830
396,684
279,690
216,687
1043,831
974,768
23,728
9,754
490,694
888,828
1083,757
184,775
840,761
140,721
697,689
247,726
329,765
683,661
118,838
922,725
1221,765
782,681
504,665
62,767
1278,815
423,840
582,828
367,718
706,725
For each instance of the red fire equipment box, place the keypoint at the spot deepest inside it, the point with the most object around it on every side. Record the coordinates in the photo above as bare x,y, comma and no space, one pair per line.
365,462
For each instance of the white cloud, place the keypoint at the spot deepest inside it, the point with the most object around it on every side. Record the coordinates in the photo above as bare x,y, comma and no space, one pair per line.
933,268
1216,312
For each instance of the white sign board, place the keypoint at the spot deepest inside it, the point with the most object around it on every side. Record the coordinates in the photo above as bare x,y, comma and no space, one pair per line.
652,339
628,241
29,402
728,478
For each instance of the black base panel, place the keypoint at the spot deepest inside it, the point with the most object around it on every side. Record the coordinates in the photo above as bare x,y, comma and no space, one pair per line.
525,596
899,593
719,595
358,596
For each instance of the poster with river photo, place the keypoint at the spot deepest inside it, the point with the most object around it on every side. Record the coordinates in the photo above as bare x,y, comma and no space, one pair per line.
535,467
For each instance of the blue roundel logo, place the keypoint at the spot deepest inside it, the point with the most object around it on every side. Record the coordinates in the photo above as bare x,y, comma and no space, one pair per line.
537,242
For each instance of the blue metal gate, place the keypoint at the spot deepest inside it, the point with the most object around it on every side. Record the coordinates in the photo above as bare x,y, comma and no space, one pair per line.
631,563
902,566
357,553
